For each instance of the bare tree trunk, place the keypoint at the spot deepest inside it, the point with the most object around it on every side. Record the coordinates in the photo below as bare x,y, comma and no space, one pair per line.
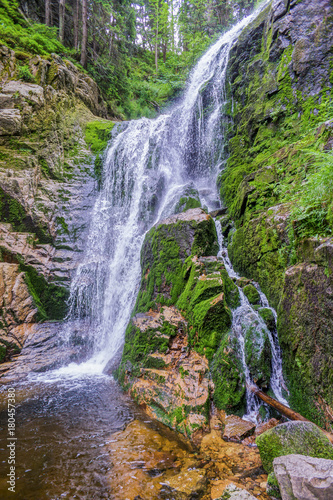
48,12
156,47
284,410
61,20
84,33
76,24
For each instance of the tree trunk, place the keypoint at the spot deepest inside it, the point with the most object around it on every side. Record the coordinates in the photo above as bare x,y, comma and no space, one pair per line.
84,33
61,20
156,46
76,24
281,408
48,12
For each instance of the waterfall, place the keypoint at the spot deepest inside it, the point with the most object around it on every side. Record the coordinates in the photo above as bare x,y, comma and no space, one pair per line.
149,164
244,317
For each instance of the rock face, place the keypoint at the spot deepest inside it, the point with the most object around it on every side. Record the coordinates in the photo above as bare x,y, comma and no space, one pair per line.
304,477
303,438
280,87
181,317
47,183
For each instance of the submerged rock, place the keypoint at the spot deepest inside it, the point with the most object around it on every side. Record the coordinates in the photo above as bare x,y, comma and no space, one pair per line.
185,486
304,477
303,438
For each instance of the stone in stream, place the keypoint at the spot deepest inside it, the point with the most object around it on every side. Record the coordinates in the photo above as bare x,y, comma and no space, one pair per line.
303,477
232,492
237,429
185,486
303,438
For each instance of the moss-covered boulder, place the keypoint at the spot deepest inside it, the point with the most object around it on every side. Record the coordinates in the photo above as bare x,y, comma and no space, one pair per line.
273,489
303,438
268,317
252,294
182,317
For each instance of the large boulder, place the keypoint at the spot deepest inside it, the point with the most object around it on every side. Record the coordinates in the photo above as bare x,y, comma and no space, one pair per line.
182,316
303,477
303,438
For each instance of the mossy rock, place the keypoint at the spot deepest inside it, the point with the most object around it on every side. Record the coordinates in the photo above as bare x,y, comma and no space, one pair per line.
268,316
252,294
273,489
302,438
228,377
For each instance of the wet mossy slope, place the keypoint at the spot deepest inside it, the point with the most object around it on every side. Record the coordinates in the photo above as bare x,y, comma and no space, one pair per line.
278,184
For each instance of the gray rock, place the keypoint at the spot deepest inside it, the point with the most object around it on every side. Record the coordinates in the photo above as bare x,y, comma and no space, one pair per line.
29,91
10,121
232,492
304,478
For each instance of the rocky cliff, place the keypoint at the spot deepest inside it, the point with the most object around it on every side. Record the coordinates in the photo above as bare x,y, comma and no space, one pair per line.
280,134
277,185
47,183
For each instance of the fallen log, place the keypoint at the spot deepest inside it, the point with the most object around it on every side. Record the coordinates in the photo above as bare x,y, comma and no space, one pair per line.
283,409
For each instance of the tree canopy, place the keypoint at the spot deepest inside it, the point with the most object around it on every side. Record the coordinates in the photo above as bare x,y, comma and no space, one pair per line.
139,52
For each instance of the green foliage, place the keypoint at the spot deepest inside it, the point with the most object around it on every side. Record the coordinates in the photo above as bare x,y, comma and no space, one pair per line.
25,75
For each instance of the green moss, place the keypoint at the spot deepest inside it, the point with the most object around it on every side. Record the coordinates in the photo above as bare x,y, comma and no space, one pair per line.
228,377
273,489
12,211
258,354
269,318
50,299
97,134
303,438
252,294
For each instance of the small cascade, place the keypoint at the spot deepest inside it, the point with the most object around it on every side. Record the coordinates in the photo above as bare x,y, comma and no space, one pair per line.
247,318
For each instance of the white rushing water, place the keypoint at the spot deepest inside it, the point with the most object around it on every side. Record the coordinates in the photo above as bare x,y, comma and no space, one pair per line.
149,165
245,316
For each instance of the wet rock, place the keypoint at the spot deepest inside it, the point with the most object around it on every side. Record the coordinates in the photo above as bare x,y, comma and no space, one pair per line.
304,477
233,492
261,428
28,91
303,438
237,429
185,486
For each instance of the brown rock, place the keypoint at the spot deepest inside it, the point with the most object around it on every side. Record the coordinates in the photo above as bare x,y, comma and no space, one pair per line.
237,429
185,486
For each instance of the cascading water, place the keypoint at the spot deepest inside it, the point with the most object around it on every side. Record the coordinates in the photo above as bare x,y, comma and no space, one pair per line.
246,317
149,165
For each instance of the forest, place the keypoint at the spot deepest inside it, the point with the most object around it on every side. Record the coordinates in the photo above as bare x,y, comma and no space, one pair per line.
139,53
